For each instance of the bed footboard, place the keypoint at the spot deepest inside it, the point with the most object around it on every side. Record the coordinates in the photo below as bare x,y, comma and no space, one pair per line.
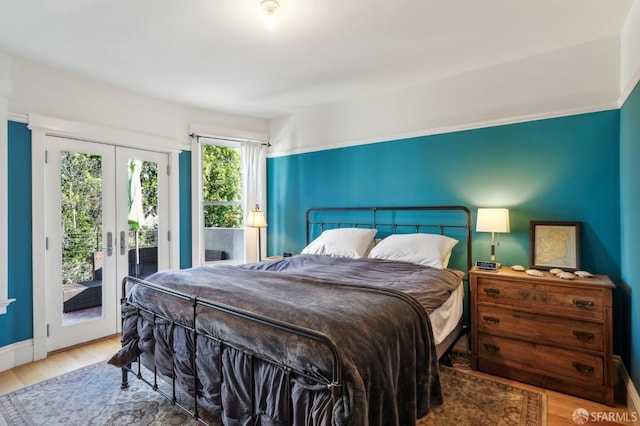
290,377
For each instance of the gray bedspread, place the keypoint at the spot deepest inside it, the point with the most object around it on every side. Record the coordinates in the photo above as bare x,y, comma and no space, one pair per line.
390,369
429,286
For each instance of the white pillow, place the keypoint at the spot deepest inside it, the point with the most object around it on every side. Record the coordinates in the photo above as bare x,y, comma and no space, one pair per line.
424,249
342,242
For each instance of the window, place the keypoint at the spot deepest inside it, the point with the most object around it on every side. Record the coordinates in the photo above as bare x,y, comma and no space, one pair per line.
223,217
228,178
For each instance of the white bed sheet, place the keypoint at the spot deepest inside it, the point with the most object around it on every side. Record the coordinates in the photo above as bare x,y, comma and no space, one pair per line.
446,317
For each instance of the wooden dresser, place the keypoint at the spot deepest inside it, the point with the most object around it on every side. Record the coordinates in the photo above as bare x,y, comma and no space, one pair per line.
545,331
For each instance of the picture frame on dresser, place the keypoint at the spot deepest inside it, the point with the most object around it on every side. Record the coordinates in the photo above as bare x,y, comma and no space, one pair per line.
555,244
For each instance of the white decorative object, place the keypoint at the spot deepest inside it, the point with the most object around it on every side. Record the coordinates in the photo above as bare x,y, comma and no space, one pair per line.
583,274
555,271
518,268
534,273
566,276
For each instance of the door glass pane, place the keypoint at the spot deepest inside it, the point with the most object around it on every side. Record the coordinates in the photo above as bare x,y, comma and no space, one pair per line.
142,252
81,212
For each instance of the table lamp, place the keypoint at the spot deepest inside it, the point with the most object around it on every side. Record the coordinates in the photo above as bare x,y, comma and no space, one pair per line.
256,219
492,220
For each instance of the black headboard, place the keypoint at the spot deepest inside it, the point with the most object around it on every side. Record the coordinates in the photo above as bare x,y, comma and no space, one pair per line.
453,221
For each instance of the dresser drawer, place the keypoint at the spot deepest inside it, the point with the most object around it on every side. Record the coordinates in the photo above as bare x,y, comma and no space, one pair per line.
545,298
572,366
540,328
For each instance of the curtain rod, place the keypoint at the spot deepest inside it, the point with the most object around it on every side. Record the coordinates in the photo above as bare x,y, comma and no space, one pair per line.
194,135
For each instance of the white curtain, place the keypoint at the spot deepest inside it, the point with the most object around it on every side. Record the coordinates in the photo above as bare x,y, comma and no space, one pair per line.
254,178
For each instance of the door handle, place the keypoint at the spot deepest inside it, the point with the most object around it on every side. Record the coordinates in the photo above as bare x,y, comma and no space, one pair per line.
109,243
122,242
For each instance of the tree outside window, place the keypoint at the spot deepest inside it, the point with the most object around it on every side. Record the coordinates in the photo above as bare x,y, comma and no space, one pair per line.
81,212
222,186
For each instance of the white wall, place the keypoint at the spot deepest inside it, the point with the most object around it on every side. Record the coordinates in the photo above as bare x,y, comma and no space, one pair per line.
5,94
580,78
46,91
630,51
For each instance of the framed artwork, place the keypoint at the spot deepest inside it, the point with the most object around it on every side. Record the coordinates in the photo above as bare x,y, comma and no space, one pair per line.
554,245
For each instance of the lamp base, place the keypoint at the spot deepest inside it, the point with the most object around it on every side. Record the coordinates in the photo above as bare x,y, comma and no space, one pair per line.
487,265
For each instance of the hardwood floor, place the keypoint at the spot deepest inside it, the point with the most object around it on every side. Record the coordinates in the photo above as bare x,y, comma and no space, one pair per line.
58,363
560,407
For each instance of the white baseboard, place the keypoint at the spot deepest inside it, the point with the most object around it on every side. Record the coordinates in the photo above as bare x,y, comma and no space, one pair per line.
633,399
16,354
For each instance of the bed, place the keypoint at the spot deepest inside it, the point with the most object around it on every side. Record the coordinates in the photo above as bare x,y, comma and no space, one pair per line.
347,332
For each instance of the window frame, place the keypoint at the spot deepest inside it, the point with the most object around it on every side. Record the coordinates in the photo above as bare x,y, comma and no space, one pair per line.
256,131
198,248
225,144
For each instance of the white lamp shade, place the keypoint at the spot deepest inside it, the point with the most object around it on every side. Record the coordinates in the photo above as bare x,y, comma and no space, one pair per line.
256,219
493,220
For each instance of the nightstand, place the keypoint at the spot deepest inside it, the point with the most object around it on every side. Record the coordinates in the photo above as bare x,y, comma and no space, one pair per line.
544,331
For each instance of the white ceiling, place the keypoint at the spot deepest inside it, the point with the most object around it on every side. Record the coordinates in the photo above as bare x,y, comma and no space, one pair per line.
218,54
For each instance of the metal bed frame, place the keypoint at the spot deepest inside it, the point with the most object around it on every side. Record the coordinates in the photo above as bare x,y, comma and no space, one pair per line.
334,385
374,224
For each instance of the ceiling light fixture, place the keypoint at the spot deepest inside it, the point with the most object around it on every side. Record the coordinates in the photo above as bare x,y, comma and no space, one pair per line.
270,7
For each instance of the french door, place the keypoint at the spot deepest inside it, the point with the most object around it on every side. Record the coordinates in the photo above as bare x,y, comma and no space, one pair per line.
106,218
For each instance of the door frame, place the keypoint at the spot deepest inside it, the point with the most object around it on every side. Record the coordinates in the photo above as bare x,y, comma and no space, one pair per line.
65,335
41,127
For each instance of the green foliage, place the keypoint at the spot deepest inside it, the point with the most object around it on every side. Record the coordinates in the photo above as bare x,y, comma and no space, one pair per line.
81,208
81,211
222,183
147,236
149,182
81,203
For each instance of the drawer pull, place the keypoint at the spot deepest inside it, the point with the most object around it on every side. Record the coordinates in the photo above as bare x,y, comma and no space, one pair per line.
492,292
584,304
491,348
491,320
587,370
584,336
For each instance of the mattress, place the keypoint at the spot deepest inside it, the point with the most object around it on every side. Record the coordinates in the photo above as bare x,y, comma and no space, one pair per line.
445,319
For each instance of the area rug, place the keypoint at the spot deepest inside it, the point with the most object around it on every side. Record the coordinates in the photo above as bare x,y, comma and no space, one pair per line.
473,400
92,396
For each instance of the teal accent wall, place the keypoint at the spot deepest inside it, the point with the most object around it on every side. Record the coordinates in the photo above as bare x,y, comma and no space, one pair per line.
185,209
564,169
630,230
17,324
